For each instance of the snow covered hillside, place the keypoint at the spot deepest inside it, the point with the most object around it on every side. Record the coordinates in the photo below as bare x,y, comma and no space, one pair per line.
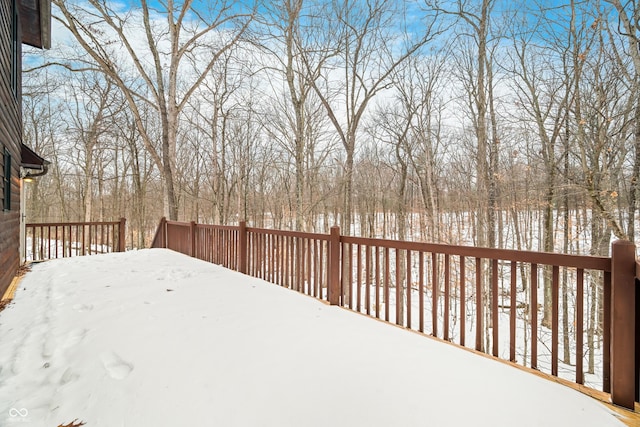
155,338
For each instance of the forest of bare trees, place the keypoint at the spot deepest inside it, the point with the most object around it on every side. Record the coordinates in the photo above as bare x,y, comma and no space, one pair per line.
486,122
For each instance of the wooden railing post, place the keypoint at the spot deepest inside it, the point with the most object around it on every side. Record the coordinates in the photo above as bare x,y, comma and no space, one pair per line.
165,233
121,235
242,247
637,375
334,266
160,239
192,238
623,321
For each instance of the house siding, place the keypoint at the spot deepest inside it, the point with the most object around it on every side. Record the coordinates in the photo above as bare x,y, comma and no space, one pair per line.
10,137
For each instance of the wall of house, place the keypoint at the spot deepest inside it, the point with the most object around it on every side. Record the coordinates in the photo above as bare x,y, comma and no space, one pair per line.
10,137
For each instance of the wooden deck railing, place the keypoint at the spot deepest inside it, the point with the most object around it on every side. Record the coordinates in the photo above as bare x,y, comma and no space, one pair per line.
474,297
66,239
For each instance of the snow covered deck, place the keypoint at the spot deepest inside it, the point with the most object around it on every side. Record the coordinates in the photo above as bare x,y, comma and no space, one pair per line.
155,338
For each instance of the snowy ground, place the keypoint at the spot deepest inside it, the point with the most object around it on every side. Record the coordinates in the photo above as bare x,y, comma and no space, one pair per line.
155,338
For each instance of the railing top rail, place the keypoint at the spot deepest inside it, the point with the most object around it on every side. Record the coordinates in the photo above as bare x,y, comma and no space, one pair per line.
217,227
544,258
62,224
303,235
289,233
179,223
586,262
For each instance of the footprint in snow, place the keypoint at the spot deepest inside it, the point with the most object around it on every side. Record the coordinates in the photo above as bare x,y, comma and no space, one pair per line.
116,367
75,337
83,307
68,376
49,346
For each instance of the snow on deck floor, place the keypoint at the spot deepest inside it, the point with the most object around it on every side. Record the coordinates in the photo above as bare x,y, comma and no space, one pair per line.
155,338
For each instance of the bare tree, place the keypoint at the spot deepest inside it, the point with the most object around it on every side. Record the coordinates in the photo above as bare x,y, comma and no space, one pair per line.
361,44
92,111
419,89
543,86
475,75
41,122
182,49
287,45
628,28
